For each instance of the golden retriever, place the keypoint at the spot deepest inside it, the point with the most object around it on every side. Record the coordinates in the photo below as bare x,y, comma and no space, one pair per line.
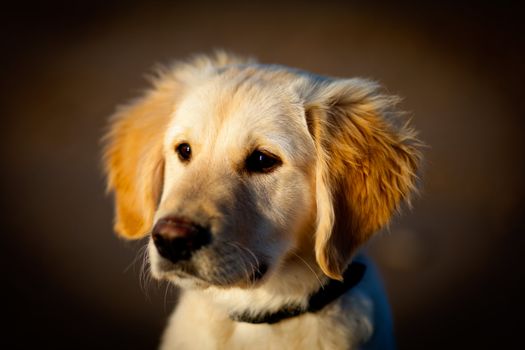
256,185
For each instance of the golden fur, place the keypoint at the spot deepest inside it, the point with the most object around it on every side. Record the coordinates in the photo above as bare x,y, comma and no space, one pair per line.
348,161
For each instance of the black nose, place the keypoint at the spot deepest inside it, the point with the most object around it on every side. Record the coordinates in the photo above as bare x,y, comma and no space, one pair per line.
177,239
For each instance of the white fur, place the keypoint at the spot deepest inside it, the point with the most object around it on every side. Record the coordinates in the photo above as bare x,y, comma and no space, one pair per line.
201,321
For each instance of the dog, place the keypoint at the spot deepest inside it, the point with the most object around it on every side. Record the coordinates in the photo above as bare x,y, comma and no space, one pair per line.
256,185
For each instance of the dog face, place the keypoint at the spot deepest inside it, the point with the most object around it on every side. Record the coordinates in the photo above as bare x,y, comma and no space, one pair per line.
234,167
238,165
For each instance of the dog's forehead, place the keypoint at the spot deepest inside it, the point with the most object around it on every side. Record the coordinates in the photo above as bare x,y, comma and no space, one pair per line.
234,110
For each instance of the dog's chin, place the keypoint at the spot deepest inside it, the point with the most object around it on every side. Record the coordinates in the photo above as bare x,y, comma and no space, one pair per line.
184,280
203,270
195,280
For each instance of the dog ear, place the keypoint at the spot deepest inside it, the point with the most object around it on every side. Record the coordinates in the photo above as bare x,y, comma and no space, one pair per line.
133,160
133,147
367,164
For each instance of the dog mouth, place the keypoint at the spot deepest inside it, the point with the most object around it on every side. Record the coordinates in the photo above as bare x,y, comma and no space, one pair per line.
220,264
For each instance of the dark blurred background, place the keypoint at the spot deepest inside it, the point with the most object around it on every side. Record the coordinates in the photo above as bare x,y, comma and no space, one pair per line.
452,265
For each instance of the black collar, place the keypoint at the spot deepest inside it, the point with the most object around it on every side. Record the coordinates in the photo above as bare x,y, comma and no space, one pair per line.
324,296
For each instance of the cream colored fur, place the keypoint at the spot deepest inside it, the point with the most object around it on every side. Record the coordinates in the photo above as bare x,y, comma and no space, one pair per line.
347,162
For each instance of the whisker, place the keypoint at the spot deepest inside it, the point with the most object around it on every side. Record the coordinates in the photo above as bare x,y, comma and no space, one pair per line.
249,277
255,268
310,268
250,252
168,285
145,275
139,253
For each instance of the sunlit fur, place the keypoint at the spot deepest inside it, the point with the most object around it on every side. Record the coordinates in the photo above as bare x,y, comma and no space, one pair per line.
348,160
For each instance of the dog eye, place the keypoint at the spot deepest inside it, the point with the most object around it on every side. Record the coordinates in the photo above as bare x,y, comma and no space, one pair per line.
184,152
261,162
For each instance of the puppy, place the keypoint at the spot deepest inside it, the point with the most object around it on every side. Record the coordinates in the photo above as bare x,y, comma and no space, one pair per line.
256,185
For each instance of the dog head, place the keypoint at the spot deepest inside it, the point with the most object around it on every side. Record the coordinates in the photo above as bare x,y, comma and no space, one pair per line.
232,167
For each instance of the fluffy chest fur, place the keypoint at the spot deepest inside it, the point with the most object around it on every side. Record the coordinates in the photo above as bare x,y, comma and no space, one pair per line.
198,324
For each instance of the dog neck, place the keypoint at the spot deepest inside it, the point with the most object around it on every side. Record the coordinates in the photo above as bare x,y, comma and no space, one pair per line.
293,293
317,301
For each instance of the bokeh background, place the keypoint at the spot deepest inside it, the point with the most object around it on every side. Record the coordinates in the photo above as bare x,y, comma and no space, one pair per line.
452,265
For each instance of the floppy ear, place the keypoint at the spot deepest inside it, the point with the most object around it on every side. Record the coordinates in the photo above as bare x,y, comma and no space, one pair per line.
366,166
133,159
133,147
